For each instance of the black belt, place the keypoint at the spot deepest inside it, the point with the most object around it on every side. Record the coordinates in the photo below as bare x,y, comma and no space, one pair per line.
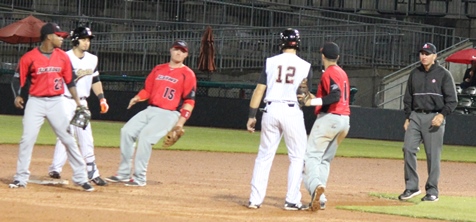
81,98
426,111
289,104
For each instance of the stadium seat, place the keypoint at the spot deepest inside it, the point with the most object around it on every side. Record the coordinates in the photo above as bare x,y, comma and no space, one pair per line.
465,102
459,89
459,111
470,90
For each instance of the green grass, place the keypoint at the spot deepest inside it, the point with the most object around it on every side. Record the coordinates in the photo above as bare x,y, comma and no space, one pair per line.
107,134
446,208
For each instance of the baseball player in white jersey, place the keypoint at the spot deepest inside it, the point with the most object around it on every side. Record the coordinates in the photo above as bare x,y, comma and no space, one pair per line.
87,77
282,116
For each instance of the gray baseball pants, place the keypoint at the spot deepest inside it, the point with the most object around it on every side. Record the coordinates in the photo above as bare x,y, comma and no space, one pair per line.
145,128
420,129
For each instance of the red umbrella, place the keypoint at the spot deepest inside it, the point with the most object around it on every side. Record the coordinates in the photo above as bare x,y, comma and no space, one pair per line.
464,56
26,30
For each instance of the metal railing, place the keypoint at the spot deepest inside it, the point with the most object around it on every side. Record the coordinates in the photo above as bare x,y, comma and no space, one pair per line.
267,13
393,86
136,51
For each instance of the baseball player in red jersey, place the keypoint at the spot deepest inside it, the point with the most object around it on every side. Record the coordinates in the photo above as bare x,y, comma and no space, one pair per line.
48,68
281,78
87,78
170,90
331,126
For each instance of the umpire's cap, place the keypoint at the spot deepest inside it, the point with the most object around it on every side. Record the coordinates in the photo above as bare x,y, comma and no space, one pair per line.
428,48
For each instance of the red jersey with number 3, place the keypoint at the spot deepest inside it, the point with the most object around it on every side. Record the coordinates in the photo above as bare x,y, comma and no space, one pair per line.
168,88
334,89
47,74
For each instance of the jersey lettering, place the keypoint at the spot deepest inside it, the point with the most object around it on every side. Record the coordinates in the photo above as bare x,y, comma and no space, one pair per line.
167,78
289,77
42,70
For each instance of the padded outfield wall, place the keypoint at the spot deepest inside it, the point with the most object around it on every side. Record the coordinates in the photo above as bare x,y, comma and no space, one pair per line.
368,123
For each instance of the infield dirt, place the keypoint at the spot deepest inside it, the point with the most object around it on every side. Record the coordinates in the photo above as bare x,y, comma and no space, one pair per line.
206,186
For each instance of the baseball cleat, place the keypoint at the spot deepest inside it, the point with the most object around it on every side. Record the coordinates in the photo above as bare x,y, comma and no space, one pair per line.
16,184
322,206
430,198
87,187
298,206
407,194
116,179
315,204
253,206
133,183
54,175
99,181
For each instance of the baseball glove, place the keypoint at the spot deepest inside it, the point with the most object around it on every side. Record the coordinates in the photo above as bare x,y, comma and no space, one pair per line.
81,117
172,136
304,93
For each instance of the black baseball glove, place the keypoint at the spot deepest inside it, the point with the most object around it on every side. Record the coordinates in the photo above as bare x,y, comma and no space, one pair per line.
81,117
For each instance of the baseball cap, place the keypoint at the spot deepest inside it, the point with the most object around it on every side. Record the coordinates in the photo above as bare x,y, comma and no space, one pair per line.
330,50
180,44
52,28
429,48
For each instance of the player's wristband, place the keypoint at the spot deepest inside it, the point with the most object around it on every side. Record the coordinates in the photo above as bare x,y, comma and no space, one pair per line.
253,112
185,113
316,102
101,96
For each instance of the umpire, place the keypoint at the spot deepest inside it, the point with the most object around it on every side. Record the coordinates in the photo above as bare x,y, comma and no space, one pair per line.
430,96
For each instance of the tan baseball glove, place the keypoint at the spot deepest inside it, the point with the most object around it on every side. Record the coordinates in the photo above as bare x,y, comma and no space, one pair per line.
303,93
173,136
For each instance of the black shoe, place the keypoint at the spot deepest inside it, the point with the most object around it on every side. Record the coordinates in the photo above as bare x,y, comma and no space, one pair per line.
87,187
429,197
16,184
253,206
54,175
98,181
298,206
407,194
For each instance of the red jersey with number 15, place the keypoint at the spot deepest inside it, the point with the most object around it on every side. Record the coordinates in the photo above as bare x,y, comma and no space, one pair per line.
168,88
47,74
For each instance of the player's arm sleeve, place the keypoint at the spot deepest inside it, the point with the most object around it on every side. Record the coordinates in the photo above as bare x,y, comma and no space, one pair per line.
408,98
334,94
309,79
96,73
16,84
263,77
449,93
21,83
96,79
144,94
68,75
190,89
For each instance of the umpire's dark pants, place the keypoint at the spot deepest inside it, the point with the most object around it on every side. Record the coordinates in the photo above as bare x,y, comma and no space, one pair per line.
420,129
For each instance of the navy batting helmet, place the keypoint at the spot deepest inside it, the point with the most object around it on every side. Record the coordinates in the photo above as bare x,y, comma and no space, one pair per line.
290,39
81,33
